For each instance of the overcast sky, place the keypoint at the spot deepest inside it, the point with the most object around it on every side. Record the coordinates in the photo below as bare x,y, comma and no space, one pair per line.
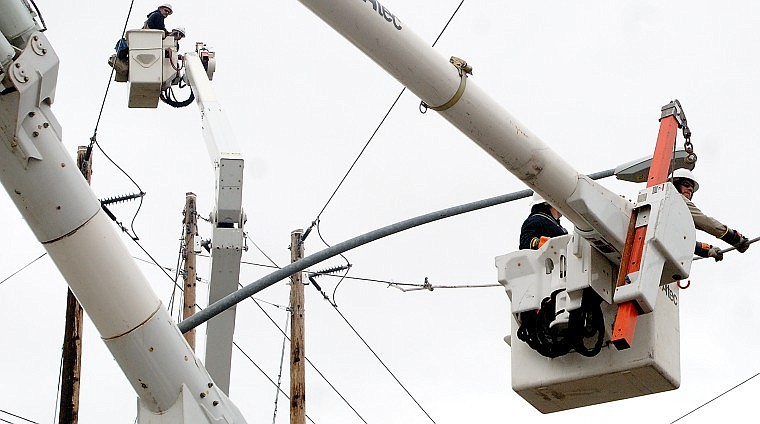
588,78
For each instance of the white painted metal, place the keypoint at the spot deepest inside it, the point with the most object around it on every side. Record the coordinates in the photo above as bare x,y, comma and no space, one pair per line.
31,146
6,56
17,22
392,45
146,58
104,277
568,264
228,218
651,365
227,249
217,132
163,370
187,409
668,245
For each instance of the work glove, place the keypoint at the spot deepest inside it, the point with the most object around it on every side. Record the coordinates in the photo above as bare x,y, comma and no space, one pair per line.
736,239
705,250
714,252
743,245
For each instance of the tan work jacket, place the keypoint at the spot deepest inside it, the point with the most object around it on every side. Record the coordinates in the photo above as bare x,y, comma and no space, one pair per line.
705,223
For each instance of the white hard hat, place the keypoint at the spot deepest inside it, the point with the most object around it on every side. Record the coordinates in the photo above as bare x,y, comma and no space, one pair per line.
537,200
180,30
168,6
683,173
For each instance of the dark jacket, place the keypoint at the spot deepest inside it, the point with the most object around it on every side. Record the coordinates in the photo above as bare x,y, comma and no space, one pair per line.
155,21
540,223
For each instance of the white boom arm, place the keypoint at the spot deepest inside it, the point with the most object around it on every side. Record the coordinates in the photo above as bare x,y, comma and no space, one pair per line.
599,215
66,217
228,218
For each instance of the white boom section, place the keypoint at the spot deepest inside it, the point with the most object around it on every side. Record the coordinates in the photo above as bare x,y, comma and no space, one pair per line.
601,216
65,216
228,219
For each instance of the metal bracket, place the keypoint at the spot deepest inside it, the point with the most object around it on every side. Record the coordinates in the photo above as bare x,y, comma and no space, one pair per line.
464,69
675,109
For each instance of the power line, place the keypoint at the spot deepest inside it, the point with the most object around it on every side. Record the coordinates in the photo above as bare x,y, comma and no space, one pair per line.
350,168
110,77
311,363
416,286
375,354
262,251
23,267
279,375
94,140
447,23
265,374
716,397
180,262
372,136
17,416
247,291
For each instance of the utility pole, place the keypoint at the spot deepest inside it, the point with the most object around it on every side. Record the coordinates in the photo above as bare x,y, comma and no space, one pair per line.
191,229
297,345
71,368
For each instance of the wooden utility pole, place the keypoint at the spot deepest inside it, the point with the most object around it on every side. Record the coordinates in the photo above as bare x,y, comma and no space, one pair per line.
71,367
191,229
297,345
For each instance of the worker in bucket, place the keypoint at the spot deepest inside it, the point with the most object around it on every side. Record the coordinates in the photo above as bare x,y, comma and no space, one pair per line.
542,223
687,185
156,18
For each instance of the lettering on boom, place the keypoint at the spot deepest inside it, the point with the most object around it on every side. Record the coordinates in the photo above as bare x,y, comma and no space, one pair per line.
673,296
385,13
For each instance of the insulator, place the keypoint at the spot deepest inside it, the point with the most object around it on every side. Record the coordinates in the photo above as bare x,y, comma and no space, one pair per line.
122,198
331,270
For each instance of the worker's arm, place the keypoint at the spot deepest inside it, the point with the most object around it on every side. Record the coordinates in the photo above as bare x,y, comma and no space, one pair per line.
714,227
706,223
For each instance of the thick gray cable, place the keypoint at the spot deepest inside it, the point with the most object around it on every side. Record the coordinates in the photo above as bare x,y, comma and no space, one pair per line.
238,296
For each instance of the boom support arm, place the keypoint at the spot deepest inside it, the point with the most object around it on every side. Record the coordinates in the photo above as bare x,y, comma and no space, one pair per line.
227,219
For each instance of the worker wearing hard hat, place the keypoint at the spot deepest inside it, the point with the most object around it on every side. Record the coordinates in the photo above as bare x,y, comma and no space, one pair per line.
156,18
543,221
687,185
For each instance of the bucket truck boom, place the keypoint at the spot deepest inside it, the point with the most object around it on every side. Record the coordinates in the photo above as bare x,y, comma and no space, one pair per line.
65,216
228,218
154,67
569,283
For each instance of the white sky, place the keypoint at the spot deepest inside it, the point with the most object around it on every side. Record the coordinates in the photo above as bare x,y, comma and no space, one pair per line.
589,78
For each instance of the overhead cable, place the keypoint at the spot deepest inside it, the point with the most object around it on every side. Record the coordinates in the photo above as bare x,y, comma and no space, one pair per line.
279,374
265,374
17,416
308,361
371,137
716,397
377,357
23,267
238,296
